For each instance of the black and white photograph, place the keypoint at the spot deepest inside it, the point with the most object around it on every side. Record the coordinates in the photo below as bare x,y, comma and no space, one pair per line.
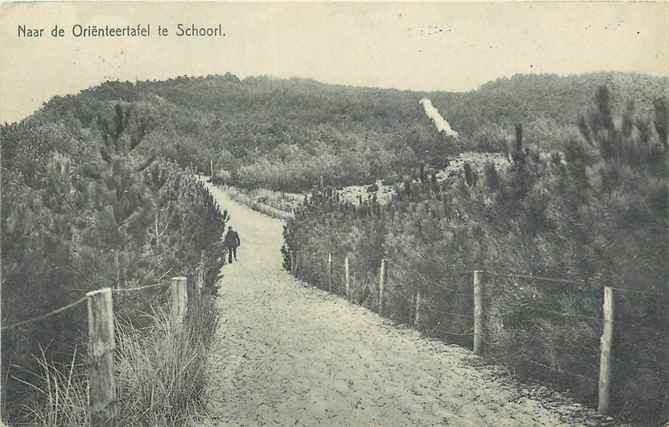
360,214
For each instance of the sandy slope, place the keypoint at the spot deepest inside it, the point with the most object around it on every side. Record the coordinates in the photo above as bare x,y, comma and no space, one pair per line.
288,354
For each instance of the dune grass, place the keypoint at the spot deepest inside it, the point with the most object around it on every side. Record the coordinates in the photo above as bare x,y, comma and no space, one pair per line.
160,376
60,392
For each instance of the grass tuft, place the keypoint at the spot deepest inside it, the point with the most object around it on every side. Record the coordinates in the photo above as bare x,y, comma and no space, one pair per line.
160,376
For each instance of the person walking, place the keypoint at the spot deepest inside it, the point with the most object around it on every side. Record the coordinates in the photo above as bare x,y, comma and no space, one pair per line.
231,242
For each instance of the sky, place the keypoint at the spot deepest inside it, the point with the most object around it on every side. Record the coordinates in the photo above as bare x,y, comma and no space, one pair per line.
433,46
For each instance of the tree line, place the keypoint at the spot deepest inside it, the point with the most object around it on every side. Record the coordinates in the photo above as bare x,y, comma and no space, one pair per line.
284,133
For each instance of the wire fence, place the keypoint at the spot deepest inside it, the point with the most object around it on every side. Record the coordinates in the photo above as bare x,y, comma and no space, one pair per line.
553,340
184,301
45,315
74,304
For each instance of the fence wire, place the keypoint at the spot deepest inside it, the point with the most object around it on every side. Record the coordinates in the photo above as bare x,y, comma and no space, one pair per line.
404,279
46,315
139,288
74,304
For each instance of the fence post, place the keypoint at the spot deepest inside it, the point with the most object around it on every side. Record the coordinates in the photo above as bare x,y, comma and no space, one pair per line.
605,352
292,262
416,320
382,274
101,343
194,289
211,169
330,271
346,276
478,312
156,231
202,269
179,296
117,267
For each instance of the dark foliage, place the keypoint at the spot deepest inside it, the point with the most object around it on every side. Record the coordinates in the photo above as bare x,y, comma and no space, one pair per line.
285,134
87,207
596,217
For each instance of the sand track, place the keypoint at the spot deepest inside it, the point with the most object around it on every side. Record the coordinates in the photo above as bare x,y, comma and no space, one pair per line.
288,354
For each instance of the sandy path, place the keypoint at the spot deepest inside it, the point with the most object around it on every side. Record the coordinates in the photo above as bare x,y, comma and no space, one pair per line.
288,354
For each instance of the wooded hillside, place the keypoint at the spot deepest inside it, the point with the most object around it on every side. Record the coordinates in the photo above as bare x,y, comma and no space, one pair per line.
284,134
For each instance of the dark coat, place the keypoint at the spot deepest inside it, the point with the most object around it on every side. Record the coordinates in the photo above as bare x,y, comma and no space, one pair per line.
231,239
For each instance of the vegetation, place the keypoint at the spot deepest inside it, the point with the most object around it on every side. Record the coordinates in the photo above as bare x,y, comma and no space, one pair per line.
271,203
88,207
285,134
160,376
95,195
595,215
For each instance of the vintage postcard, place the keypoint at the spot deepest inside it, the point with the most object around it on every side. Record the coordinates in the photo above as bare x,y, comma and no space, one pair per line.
334,214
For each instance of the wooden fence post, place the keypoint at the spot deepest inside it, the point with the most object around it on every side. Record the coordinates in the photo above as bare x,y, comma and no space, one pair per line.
101,343
416,319
605,352
346,276
382,274
194,289
117,267
330,271
478,312
179,294
292,262
211,169
202,269
156,231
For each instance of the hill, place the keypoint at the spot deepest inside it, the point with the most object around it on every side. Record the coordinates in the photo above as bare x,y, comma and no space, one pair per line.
285,133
